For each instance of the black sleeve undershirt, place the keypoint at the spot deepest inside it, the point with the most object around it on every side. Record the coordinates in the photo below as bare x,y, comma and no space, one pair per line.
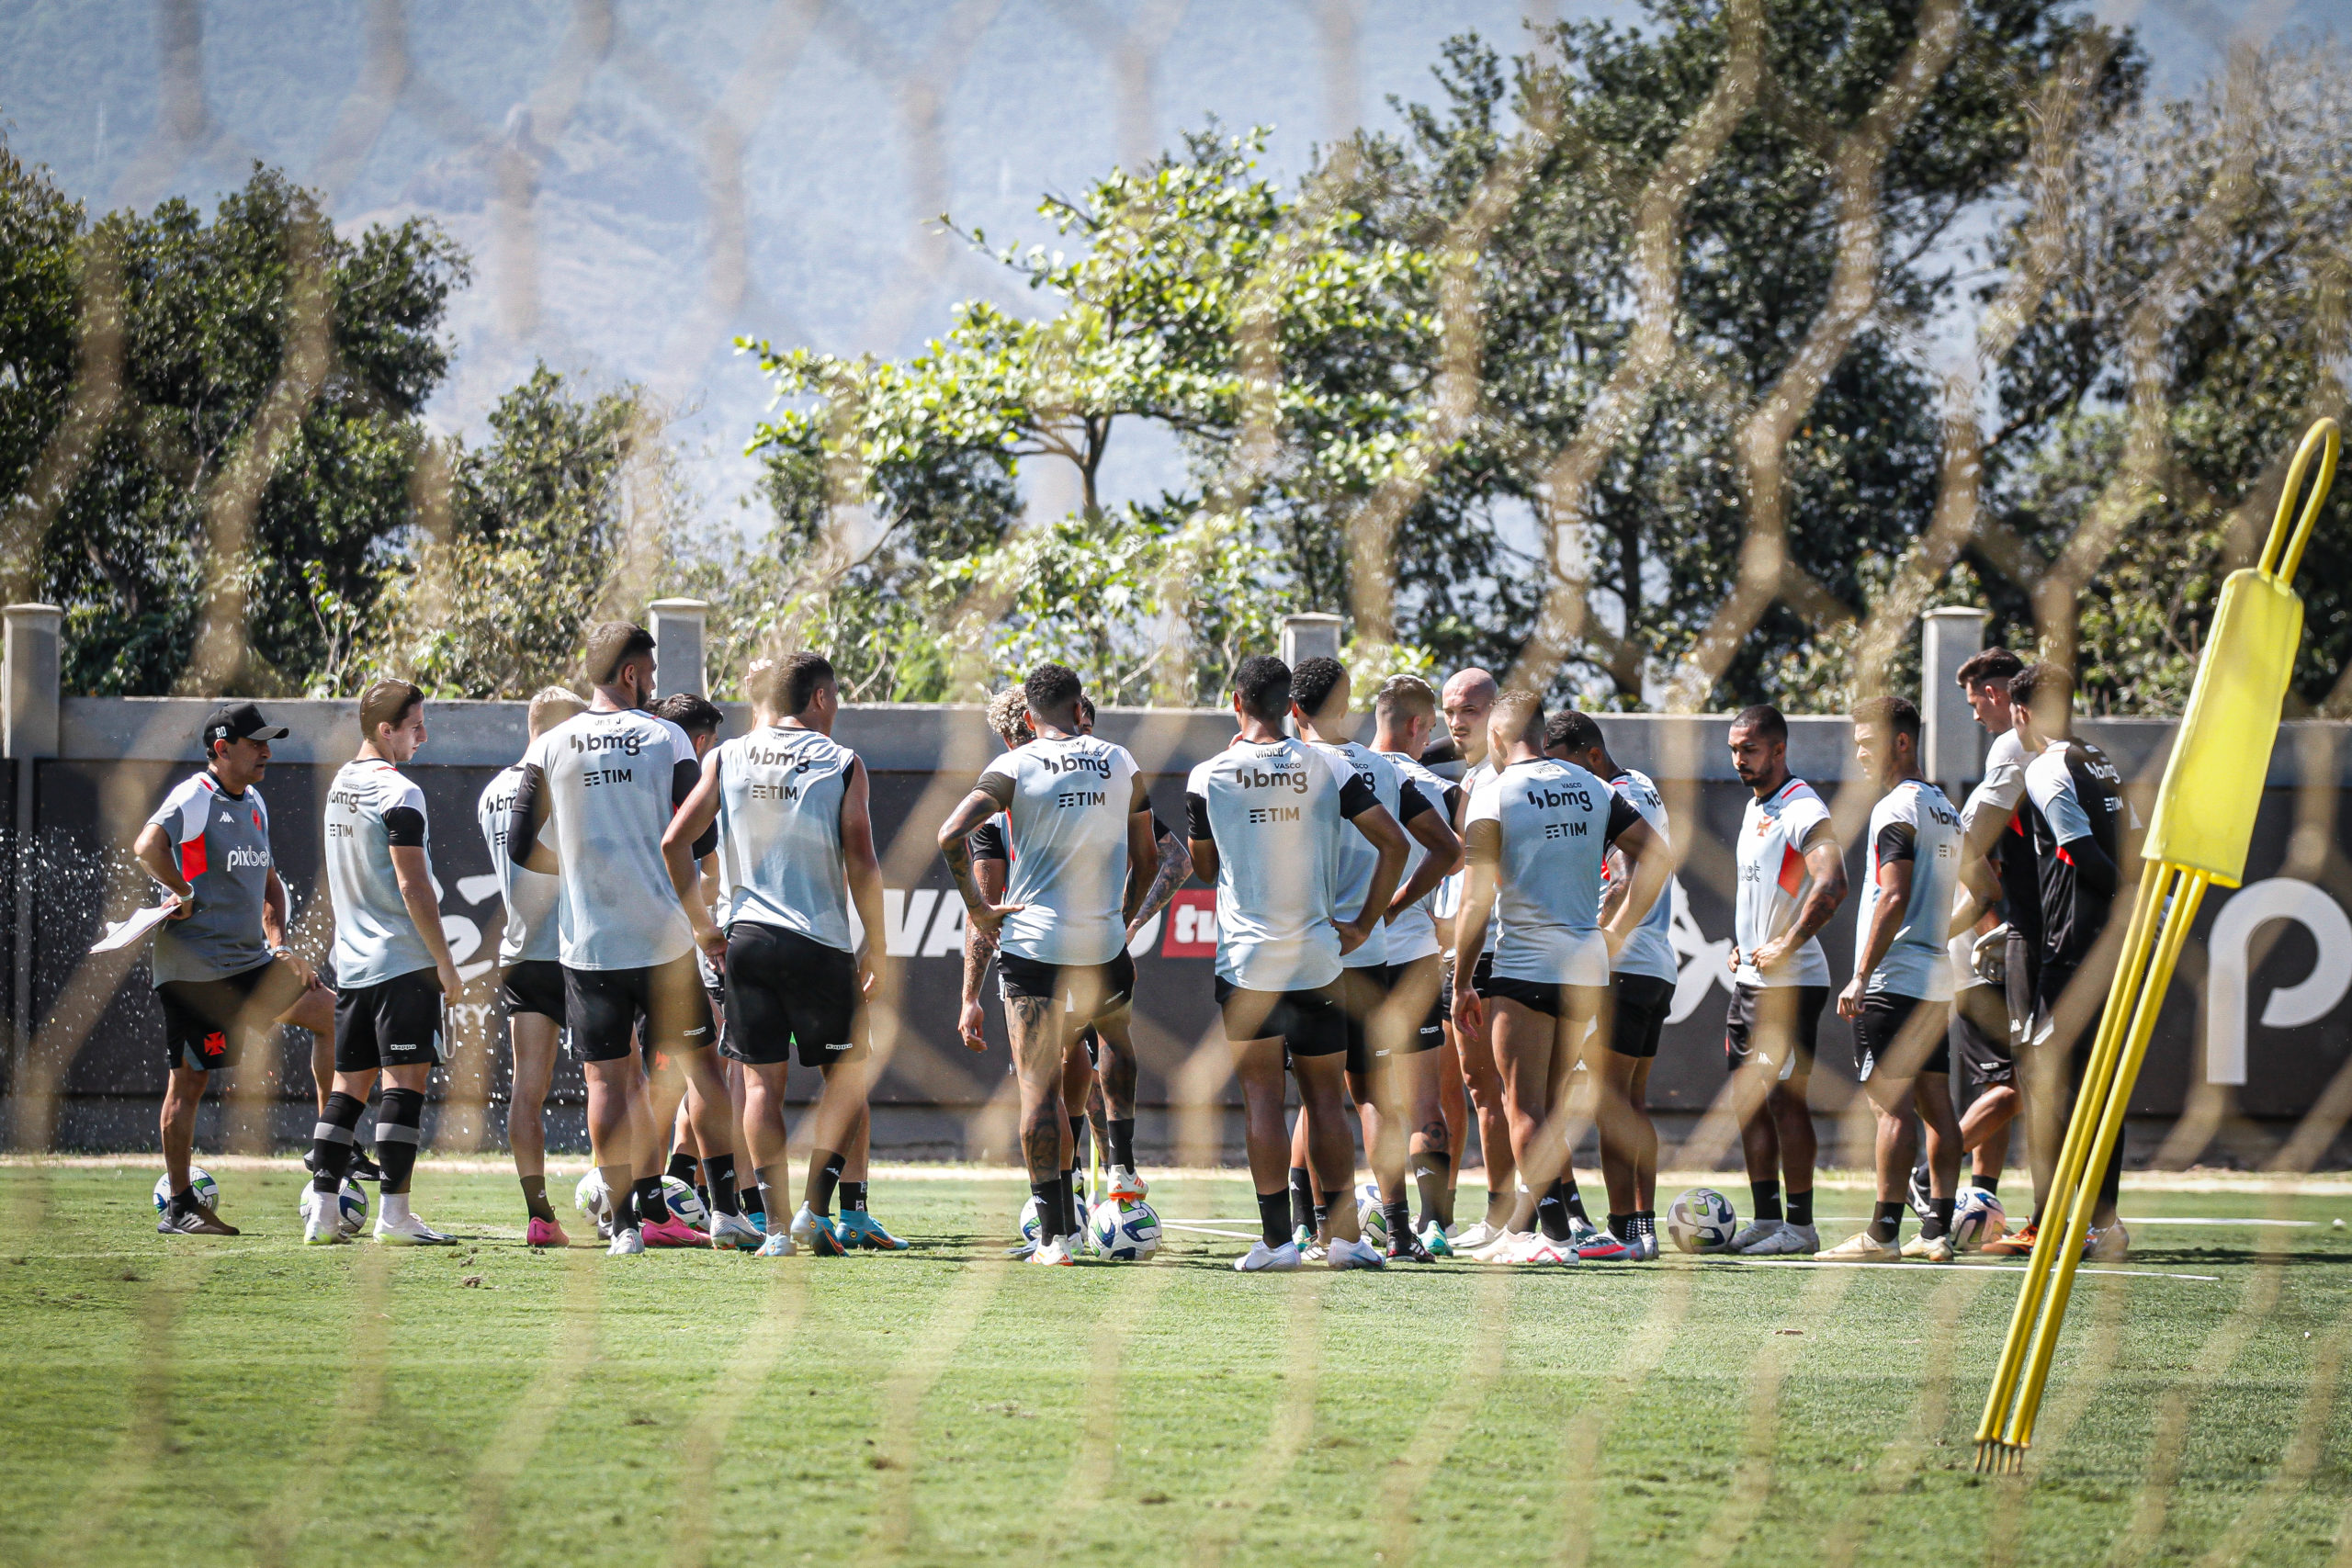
683,779
1356,797
1410,802
1897,840
1196,818
1622,816
404,827
529,811
988,840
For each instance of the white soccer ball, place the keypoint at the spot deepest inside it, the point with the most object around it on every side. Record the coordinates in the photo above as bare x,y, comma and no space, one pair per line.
1029,1220
1702,1220
1978,1218
200,1182
591,1197
1124,1230
354,1197
1370,1218
685,1203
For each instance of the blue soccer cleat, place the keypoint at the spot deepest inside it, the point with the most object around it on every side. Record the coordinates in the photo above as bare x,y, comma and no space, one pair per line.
859,1228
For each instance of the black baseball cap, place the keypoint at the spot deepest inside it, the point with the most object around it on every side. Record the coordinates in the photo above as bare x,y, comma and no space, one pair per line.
240,721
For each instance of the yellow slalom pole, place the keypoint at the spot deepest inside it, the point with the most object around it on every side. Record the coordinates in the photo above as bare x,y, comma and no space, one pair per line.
2198,837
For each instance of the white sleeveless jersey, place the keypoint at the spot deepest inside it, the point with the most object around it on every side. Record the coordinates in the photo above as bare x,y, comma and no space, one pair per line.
780,792
1773,883
1912,821
530,935
611,782
1068,826
1413,934
372,805
1555,822
1277,812
1358,859
1650,950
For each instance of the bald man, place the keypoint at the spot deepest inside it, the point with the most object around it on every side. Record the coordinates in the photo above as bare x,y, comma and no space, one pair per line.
1466,700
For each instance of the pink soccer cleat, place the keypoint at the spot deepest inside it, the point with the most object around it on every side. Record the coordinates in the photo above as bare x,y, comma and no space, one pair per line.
672,1232
545,1232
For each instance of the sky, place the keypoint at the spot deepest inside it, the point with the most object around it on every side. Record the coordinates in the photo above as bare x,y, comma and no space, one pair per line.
642,186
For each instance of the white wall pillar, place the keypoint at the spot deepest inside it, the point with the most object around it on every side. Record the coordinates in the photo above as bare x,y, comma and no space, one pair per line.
1951,749
677,628
28,730
1309,637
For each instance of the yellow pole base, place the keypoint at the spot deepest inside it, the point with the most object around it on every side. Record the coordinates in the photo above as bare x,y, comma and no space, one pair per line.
1995,1456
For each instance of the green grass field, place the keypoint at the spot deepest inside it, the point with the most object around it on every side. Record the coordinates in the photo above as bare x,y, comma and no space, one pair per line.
246,1401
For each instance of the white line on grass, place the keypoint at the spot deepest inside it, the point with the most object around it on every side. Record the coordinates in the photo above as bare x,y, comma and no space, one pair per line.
1207,1230
1910,1264
2128,1219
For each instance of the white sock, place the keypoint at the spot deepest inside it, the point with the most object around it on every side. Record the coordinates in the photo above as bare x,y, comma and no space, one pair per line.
395,1208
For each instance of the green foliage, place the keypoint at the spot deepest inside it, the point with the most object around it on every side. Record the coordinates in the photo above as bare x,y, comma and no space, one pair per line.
38,285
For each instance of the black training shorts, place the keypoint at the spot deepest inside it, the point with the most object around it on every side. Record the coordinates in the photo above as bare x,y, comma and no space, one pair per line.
602,1009
1364,994
206,1021
1777,1024
1979,1036
787,991
535,984
1092,991
1641,1003
1900,1037
1310,1022
394,1023
1554,998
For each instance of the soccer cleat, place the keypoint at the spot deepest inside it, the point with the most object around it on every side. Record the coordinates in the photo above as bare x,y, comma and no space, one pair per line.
759,1220
2016,1244
1346,1254
1404,1246
544,1233
1922,1197
1054,1255
779,1244
626,1243
1435,1242
1748,1235
820,1237
193,1219
1021,1251
1302,1236
859,1228
1603,1247
1126,1184
1929,1249
1480,1234
1505,1244
409,1230
1263,1259
1313,1252
671,1232
1787,1241
2112,1244
322,1219
1863,1247
1648,1241
734,1231
363,1165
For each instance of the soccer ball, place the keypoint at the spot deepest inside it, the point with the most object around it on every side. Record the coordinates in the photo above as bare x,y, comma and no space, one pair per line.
1702,1220
1977,1219
1125,1231
200,1182
354,1206
1029,1220
590,1198
685,1203
1370,1218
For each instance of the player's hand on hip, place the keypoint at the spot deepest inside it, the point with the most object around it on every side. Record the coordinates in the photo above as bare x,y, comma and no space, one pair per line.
972,1026
181,905
1849,1000
988,919
713,942
1352,935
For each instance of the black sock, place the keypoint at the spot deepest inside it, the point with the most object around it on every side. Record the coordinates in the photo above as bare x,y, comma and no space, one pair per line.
399,1119
1122,1141
682,1166
824,1175
1326,1208
1431,1178
331,1142
1939,1220
1622,1227
535,1198
1886,1220
720,1168
1989,1183
1801,1207
1574,1200
1274,1218
1551,1214
653,1208
1071,1220
1302,1199
1646,1222
624,1207
1767,1195
1048,1198
1399,1216
853,1196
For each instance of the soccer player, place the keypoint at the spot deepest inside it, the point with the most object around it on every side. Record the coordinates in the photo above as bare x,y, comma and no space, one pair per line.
596,792
1641,988
1984,1018
1467,700
793,816
1405,714
1899,997
530,980
2082,829
1791,879
392,964
221,969
1079,826
1539,830
1383,1034
1267,817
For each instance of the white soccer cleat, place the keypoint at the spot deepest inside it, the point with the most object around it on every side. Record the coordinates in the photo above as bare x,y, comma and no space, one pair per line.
804,1225
1503,1248
323,1219
1053,1254
1344,1254
1863,1247
1788,1241
1537,1247
1476,1236
1748,1235
625,1244
1646,1244
735,1231
1126,1184
1932,1249
409,1231
1263,1259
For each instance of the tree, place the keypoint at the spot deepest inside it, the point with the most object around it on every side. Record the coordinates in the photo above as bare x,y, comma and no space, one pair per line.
248,392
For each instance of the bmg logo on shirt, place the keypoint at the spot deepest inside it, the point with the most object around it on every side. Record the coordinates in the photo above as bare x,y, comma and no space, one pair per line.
1549,798
1293,779
1076,762
629,741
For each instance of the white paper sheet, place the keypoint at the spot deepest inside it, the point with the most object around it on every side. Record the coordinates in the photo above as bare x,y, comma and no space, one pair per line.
122,933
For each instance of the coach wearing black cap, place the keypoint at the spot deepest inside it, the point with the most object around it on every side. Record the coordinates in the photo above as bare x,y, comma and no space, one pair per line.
222,969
